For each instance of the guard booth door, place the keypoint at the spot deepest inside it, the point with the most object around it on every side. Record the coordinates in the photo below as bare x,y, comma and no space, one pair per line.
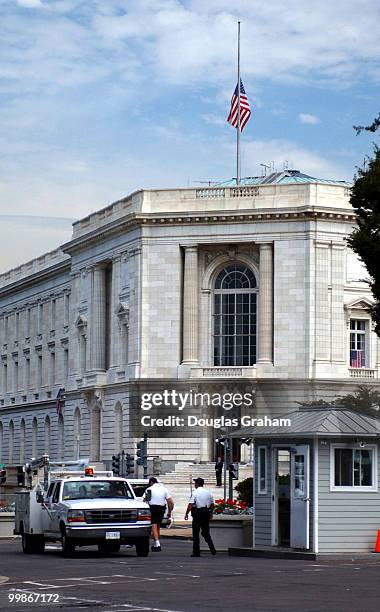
299,496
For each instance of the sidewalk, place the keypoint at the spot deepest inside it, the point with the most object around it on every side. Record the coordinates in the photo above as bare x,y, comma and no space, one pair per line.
180,531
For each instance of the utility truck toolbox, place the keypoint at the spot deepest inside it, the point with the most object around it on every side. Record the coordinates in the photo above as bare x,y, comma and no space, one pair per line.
83,510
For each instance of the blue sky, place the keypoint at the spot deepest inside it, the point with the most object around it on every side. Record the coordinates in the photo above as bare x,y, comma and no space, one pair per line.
99,98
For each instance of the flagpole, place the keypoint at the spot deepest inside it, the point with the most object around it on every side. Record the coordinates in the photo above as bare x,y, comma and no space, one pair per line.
238,117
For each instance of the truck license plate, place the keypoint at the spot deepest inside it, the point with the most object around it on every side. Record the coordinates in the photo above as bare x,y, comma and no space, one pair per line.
112,535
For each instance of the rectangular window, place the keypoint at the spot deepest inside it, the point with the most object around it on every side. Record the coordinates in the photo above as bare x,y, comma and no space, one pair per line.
15,385
358,344
5,379
65,364
39,371
52,315
52,369
27,373
40,317
66,307
262,470
17,324
27,323
353,468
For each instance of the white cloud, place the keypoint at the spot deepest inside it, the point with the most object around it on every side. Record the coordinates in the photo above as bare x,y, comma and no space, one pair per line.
297,158
30,3
308,119
23,237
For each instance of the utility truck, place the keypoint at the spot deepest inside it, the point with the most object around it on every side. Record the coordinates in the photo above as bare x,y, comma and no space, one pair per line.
78,507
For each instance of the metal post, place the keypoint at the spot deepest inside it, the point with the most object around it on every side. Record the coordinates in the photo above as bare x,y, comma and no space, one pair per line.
225,469
238,117
145,461
123,470
230,479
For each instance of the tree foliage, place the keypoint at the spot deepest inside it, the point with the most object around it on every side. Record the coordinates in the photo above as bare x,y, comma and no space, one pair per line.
365,400
365,239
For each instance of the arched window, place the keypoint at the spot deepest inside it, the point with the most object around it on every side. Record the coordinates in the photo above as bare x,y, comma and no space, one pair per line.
34,438
118,431
22,441
61,437
47,435
11,442
77,428
235,294
1,441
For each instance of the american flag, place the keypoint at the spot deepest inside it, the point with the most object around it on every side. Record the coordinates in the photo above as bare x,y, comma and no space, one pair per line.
356,359
245,111
60,401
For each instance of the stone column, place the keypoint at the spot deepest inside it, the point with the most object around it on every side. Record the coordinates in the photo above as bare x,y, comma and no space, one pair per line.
98,322
265,330
190,306
115,359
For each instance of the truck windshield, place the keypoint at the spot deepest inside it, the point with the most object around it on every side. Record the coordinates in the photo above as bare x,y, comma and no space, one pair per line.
99,489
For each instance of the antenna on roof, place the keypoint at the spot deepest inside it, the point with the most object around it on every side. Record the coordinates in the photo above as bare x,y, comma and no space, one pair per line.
272,168
265,166
209,183
285,165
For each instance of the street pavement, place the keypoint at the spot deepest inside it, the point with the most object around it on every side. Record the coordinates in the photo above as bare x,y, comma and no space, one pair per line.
171,581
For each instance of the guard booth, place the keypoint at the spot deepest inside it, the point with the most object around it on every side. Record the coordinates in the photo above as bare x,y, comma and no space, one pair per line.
316,482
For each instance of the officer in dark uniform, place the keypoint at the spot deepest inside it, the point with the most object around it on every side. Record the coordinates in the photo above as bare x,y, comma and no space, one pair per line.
201,506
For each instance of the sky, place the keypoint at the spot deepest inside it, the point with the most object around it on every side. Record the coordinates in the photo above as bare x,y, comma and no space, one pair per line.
102,97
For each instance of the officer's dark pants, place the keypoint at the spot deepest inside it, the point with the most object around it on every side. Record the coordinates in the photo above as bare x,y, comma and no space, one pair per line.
218,475
201,523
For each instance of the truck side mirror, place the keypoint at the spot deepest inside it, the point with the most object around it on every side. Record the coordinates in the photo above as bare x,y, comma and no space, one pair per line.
40,497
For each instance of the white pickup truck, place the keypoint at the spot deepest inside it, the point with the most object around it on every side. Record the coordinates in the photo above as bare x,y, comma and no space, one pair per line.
81,511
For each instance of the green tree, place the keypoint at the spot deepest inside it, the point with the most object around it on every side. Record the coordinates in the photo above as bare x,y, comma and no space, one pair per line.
365,400
365,239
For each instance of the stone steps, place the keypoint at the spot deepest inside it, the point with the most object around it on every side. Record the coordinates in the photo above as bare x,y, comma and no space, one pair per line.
178,482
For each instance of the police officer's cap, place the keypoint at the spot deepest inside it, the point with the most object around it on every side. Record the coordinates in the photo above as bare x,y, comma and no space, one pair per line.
199,481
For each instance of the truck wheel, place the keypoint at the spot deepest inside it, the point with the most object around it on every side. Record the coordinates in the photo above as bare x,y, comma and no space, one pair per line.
142,547
107,548
27,543
67,545
32,544
39,544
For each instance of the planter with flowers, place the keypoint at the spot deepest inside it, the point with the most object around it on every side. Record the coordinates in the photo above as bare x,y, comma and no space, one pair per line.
232,524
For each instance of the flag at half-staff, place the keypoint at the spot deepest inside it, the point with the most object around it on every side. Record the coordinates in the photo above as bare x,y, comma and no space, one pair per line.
245,110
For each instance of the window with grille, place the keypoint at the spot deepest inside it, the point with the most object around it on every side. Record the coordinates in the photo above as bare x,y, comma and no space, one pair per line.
358,329
234,325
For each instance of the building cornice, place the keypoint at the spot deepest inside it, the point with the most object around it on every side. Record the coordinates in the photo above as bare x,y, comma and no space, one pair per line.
39,275
195,218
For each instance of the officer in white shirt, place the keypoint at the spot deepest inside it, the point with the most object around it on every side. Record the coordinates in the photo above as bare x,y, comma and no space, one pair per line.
201,506
157,497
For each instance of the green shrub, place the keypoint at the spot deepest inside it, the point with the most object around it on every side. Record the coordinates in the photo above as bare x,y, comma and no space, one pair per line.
245,491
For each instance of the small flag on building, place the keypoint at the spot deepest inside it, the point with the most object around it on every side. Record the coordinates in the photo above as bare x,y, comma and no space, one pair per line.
245,111
60,401
356,360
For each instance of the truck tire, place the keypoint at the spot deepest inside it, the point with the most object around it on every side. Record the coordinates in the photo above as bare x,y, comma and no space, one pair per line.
68,547
107,548
142,547
32,544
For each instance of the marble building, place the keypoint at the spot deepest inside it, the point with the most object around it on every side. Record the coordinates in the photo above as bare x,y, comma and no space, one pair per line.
225,287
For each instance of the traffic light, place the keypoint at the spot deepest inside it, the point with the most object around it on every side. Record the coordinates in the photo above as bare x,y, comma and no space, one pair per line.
157,466
234,470
3,476
142,454
129,464
20,476
116,464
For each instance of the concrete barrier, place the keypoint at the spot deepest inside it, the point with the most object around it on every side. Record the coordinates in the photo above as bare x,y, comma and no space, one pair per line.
7,524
